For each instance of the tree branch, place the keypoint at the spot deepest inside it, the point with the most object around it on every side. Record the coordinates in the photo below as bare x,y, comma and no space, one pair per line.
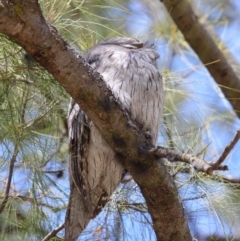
197,163
9,181
23,22
53,232
227,150
206,49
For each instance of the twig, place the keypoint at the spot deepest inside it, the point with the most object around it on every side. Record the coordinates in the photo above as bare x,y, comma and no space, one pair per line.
197,163
227,150
194,198
10,174
53,232
139,207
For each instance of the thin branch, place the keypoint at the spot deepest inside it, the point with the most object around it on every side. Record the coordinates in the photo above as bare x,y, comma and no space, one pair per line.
197,163
53,232
9,181
139,207
194,198
16,148
227,150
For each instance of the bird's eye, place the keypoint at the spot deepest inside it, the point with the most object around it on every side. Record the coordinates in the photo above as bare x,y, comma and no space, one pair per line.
135,45
94,58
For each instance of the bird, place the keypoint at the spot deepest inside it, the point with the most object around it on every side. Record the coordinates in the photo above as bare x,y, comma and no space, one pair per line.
128,67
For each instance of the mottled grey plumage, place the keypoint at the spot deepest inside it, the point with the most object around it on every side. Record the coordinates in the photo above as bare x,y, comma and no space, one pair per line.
129,68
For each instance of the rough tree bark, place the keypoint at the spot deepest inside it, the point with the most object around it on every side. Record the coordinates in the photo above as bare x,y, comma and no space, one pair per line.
206,49
23,22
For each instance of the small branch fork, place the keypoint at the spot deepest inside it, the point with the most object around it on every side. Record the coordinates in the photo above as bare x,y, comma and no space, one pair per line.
197,163
227,150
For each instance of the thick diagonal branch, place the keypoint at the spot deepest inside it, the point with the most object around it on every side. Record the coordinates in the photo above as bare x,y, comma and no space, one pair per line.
206,49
